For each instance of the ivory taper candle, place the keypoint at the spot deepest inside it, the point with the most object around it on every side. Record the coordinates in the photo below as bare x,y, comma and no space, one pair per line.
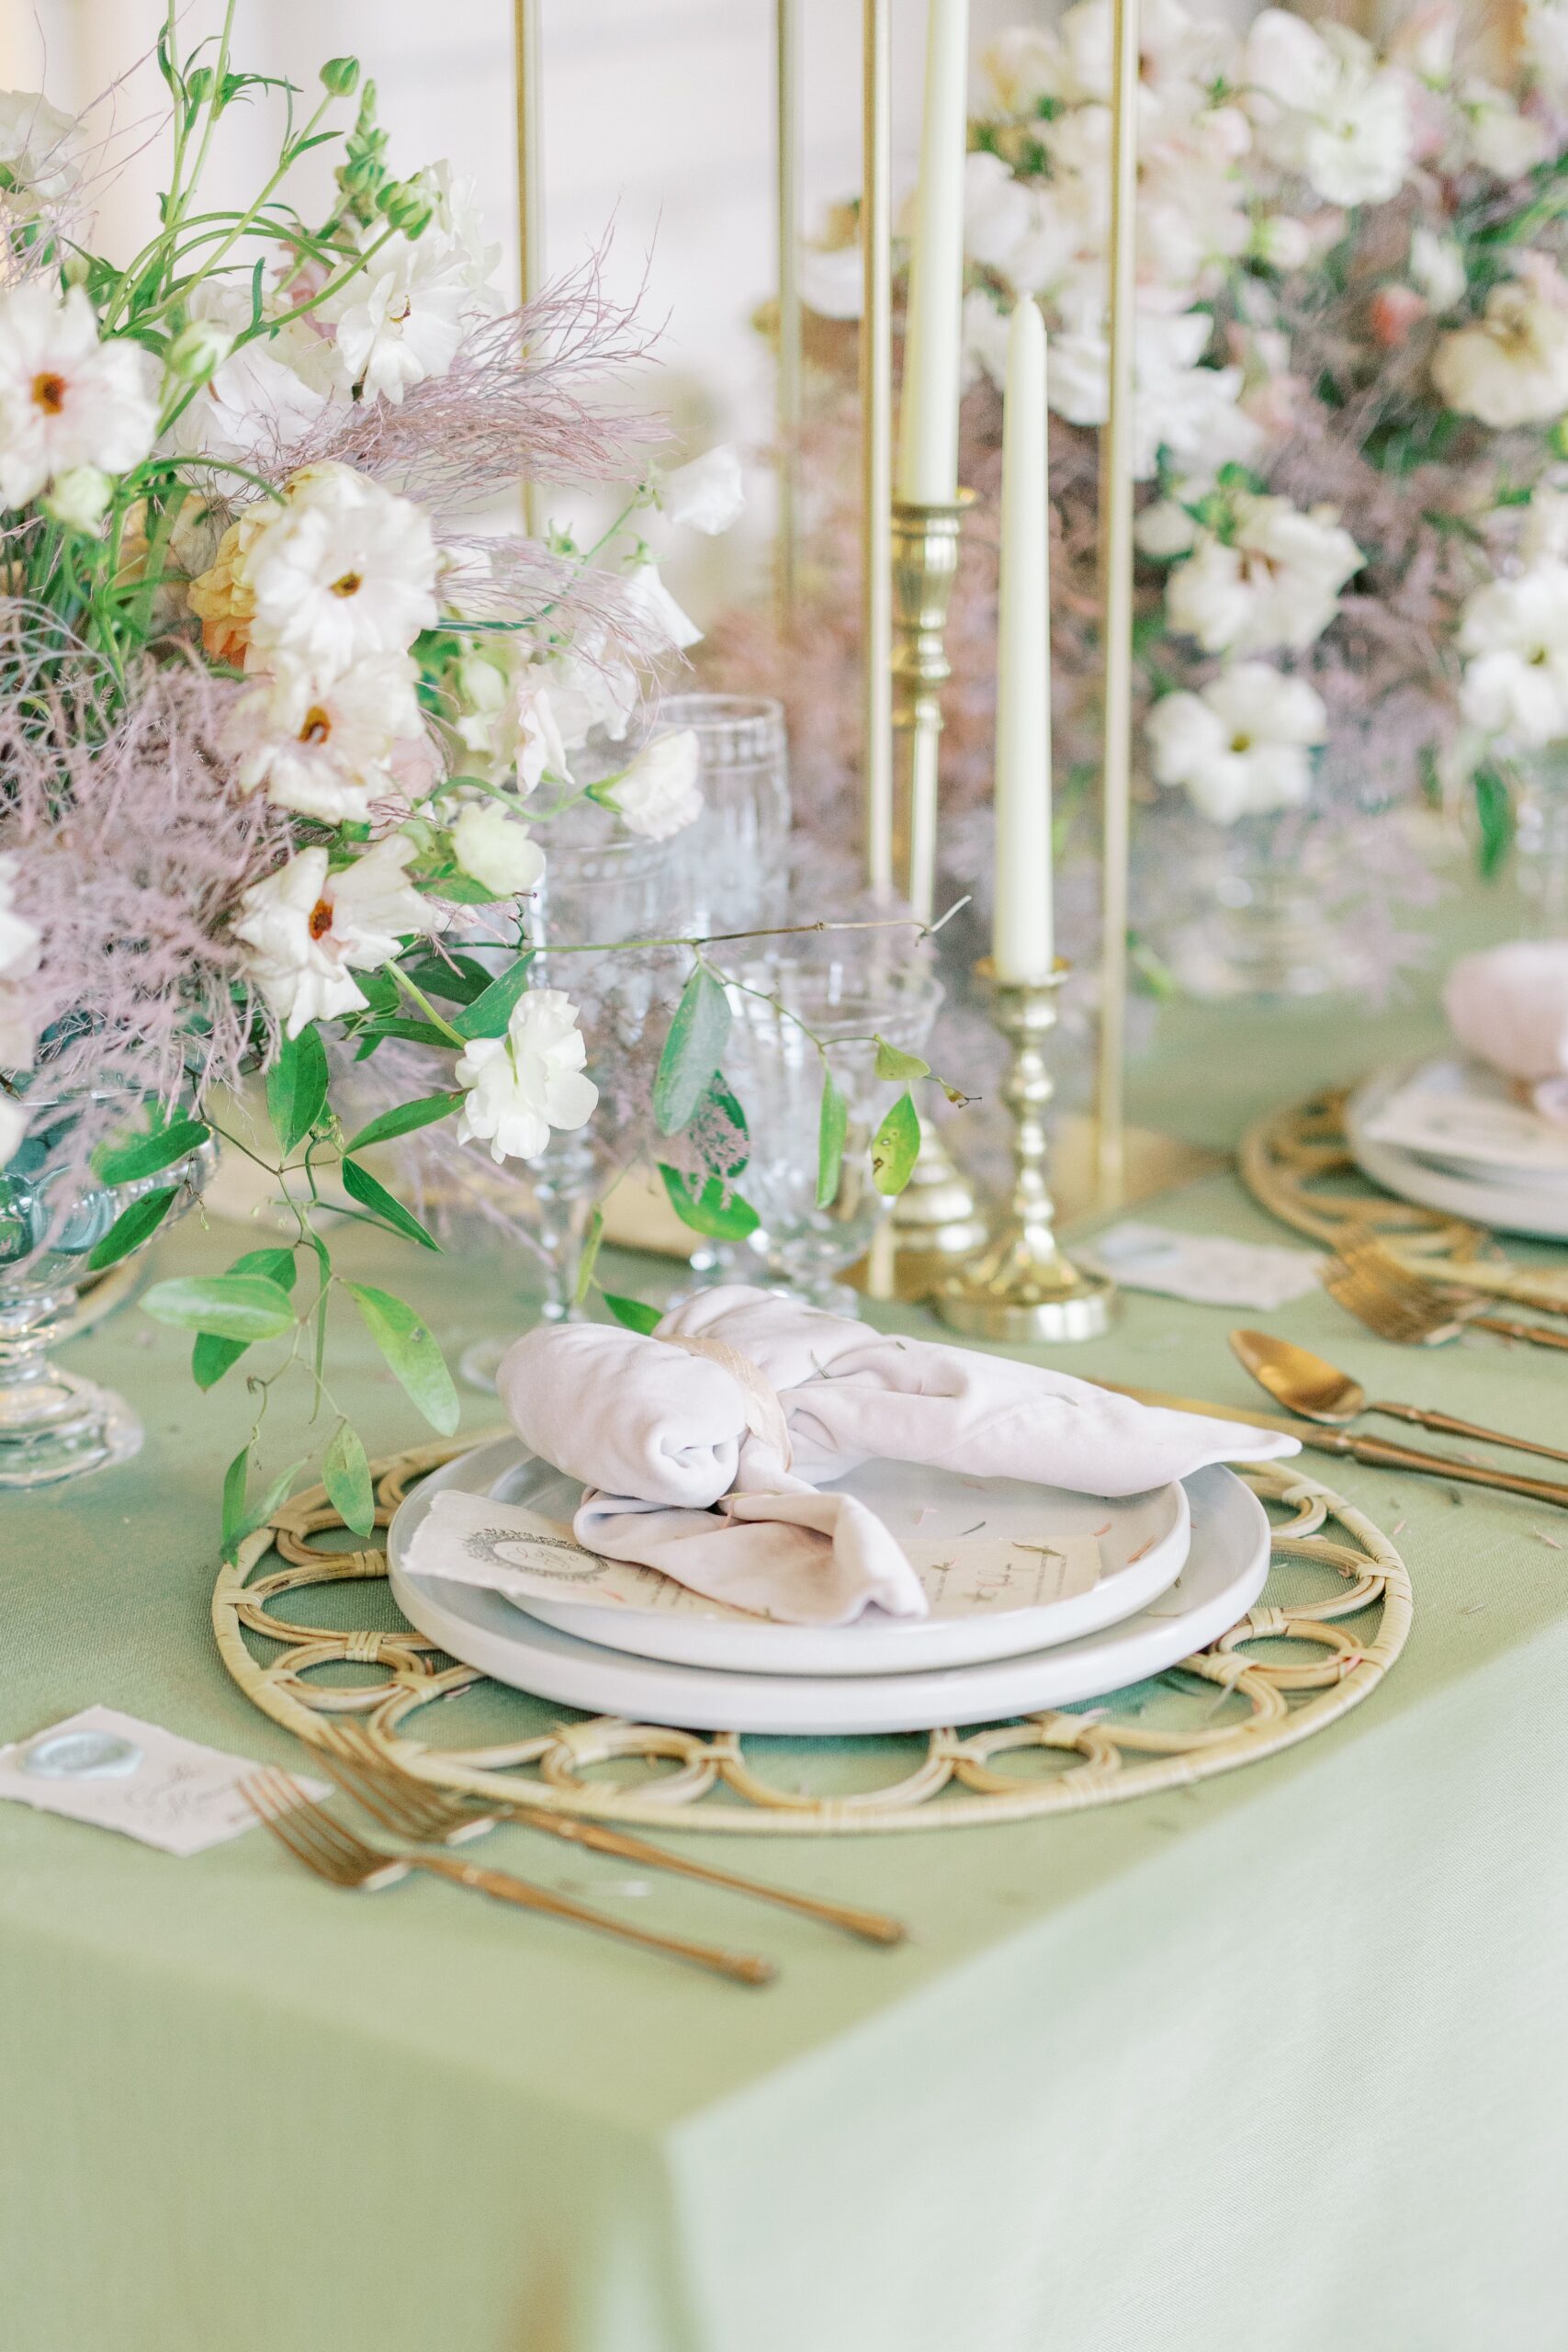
928,428
1021,943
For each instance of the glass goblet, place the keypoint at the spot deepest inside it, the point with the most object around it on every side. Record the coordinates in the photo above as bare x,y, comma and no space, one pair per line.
735,854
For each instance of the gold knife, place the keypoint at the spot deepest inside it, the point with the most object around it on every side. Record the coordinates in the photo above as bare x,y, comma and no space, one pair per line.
1377,1452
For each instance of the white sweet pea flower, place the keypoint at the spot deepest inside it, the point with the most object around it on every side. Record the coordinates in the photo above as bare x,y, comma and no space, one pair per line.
522,1085
1326,108
588,688
1511,366
1275,582
1500,138
309,930
1241,747
497,851
39,154
658,793
324,746
1515,633
1437,268
707,494
652,602
66,399
343,569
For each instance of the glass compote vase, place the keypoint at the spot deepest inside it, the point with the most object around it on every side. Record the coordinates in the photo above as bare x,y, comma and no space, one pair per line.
1540,835
1267,929
54,1424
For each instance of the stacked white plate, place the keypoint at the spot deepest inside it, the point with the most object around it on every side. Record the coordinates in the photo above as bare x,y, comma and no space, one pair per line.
1451,1135
1178,1567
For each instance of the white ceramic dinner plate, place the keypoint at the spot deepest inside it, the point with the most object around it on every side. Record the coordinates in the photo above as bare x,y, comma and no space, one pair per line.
1226,1566
1537,1208
1143,1544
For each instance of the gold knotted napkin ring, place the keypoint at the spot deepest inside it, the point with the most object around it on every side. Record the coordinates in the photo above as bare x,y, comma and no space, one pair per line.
764,1410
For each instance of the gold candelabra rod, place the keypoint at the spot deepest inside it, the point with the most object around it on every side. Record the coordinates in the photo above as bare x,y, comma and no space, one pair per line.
1021,1284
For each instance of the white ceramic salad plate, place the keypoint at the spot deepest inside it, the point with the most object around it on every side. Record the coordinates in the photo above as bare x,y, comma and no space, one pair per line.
1509,1201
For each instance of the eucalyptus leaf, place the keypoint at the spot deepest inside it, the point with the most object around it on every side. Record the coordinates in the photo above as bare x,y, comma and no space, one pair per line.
691,1052
895,1147
893,1062
361,1186
127,1163
716,1212
403,1119
132,1227
297,1088
232,1306
345,1473
633,1312
489,1012
832,1126
411,1352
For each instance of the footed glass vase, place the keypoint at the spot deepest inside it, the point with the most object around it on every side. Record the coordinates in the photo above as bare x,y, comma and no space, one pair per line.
1541,836
53,1423
1266,930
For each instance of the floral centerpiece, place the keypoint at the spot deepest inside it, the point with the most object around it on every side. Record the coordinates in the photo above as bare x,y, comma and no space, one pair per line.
1352,380
284,717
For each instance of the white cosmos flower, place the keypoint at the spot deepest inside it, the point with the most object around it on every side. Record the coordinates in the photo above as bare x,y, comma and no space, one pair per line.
1511,366
522,1085
38,152
707,494
66,399
309,931
1241,747
658,793
1437,268
1515,633
1327,107
1275,583
324,745
345,570
499,853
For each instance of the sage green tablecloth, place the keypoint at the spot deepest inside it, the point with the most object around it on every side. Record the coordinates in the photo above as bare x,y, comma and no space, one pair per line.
1279,2063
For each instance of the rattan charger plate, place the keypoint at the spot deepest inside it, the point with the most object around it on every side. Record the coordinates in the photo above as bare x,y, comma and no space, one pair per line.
1335,1616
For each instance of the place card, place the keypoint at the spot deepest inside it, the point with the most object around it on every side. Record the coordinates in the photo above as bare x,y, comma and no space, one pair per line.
115,1771
505,1548
1208,1268
1451,1112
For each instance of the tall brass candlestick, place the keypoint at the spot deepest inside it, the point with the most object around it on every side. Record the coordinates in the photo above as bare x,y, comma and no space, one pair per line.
1021,1285
876,442
787,398
526,82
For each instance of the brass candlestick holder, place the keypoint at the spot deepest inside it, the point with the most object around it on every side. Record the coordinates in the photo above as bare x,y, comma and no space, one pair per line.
1021,1286
935,1216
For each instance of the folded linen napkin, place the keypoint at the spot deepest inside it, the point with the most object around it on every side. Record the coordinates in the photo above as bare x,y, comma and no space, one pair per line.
1509,1006
702,1447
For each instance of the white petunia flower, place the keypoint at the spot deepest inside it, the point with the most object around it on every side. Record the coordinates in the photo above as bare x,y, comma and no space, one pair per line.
1241,747
39,155
658,793
324,745
1511,366
1275,583
1515,633
1325,107
522,1085
499,853
707,494
309,930
1437,268
66,399
345,570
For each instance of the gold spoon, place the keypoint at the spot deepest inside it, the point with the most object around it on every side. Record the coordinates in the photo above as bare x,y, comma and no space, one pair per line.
1304,1384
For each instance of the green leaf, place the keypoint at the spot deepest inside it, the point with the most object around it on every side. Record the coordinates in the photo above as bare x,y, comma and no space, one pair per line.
127,1163
345,1473
457,977
895,1147
232,1306
297,1088
489,1014
721,1214
132,1226
633,1312
589,1258
361,1186
403,1120
692,1051
719,1133
1495,815
832,1126
211,1357
893,1062
240,1521
415,1360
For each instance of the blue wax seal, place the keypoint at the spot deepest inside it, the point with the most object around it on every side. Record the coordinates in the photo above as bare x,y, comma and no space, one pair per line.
82,1756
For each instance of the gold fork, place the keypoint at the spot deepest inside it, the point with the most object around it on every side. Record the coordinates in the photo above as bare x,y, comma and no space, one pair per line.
412,1808
311,1834
1371,1285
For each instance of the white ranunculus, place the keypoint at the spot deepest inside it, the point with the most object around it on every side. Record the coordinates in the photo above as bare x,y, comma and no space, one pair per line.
1437,268
1243,746
708,493
308,930
324,746
1500,138
39,153
398,321
1275,583
66,399
79,499
1515,636
496,850
658,793
522,1085
1511,366
651,602
345,570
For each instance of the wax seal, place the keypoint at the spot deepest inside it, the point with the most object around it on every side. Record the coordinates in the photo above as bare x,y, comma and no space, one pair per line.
82,1756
